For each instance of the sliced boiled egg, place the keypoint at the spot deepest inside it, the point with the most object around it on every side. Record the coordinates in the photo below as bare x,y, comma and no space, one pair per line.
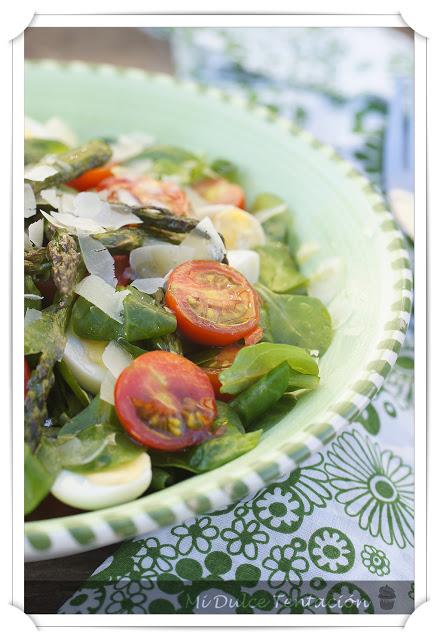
240,229
84,359
104,488
247,262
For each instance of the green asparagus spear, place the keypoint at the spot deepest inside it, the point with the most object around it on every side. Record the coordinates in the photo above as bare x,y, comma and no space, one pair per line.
65,261
36,262
35,409
73,163
122,240
161,222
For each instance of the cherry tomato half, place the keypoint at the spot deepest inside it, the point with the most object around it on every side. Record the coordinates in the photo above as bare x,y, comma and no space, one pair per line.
148,191
90,179
165,402
27,375
220,191
123,271
213,303
214,363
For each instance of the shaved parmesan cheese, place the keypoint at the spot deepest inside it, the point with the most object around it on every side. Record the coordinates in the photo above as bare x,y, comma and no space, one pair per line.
31,316
57,129
126,197
113,218
39,173
36,232
116,359
72,223
107,392
209,210
328,280
307,251
30,203
27,243
51,196
32,296
97,259
155,261
205,241
266,214
148,285
130,144
103,296
87,205
247,262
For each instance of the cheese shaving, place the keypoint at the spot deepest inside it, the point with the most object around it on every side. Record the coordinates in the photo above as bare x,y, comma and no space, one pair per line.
116,359
148,285
102,295
97,259
36,233
39,173
30,203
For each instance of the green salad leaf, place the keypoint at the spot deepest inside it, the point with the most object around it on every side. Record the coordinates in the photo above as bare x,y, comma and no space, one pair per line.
46,333
275,216
278,270
36,148
297,320
37,481
143,319
167,160
253,362
276,413
230,443
30,288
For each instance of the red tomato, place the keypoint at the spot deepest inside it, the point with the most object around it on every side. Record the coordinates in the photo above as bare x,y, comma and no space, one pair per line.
27,375
148,191
214,364
254,337
165,402
213,303
90,179
123,272
220,191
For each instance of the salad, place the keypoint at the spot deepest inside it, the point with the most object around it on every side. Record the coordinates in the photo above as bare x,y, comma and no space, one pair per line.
167,322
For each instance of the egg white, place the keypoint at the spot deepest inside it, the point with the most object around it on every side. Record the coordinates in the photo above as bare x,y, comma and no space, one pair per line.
84,359
103,489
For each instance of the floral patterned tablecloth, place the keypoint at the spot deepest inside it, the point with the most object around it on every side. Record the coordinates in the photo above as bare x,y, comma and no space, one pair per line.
336,534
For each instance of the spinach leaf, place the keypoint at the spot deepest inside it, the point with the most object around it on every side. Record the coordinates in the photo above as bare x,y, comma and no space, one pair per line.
97,412
253,362
297,320
274,216
230,443
144,319
278,270
72,383
260,396
47,333
37,481
30,287
278,411
168,160
226,169
161,479
301,381
36,148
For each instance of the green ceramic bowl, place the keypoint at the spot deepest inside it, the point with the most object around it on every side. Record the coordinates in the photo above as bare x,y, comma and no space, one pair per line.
335,207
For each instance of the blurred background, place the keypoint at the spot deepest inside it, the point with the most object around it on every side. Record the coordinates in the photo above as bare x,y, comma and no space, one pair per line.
339,83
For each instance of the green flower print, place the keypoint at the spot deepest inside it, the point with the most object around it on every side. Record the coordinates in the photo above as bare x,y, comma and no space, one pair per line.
244,538
197,535
331,550
153,557
279,509
310,485
127,597
375,560
85,601
375,486
285,564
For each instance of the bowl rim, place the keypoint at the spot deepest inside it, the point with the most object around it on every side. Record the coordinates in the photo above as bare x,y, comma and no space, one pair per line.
78,533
